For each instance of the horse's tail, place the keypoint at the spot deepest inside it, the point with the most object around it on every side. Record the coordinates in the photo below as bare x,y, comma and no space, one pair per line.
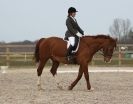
36,53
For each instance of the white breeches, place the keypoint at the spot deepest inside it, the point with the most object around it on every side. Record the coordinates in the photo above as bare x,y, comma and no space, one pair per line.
71,40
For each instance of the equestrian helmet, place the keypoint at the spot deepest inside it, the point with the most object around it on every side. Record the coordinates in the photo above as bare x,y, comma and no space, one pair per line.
72,10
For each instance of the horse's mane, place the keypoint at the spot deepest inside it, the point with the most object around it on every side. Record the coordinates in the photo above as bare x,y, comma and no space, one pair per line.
100,36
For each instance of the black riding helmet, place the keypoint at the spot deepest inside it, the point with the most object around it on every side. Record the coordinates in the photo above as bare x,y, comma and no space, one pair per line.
72,10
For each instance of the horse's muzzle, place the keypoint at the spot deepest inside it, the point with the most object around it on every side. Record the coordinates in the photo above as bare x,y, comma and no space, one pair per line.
107,59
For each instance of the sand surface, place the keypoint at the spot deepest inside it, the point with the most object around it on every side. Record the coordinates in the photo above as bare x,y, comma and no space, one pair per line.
18,86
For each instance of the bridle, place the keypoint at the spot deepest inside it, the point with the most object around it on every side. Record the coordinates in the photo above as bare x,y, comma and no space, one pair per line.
105,55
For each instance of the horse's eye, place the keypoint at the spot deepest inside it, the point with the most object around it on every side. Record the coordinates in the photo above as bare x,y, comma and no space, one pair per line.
101,49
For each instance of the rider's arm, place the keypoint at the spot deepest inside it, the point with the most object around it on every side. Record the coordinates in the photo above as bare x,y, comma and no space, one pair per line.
80,30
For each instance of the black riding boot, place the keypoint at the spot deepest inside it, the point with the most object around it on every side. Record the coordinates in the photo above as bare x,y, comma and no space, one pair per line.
69,53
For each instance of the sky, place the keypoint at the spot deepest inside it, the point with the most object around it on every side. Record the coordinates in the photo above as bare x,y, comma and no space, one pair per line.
33,19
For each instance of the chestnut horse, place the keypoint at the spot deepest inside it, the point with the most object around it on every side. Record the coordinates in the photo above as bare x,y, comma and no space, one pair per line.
55,48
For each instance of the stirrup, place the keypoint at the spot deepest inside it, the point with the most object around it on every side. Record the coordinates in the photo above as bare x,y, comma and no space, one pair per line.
69,58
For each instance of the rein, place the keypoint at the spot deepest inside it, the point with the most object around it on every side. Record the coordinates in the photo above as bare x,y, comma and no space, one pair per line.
101,53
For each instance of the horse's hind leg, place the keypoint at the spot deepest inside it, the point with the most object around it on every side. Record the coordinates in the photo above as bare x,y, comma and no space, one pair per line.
53,70
54,67
39,72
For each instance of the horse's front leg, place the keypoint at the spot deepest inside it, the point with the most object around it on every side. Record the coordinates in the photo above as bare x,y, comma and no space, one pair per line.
80,73
86,75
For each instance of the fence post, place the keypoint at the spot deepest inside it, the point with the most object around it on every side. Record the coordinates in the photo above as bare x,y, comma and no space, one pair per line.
7,56
92,62
120,56
25,57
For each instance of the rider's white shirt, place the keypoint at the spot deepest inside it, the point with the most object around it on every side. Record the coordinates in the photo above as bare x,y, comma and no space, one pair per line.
73,18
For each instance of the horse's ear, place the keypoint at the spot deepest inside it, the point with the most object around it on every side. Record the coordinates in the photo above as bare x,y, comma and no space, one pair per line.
116,39
108,35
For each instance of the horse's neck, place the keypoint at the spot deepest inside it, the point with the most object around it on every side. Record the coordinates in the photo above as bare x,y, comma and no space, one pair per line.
93,44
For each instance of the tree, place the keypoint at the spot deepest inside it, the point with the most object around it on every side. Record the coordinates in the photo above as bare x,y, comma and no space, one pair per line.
2,42
130,35
120,28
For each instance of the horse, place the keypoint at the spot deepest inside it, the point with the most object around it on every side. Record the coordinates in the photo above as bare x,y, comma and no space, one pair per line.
55,48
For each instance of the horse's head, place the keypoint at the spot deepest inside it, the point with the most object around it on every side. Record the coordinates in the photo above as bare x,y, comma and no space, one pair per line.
108,48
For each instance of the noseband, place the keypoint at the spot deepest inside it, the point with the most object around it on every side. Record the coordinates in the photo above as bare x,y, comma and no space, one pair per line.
105,55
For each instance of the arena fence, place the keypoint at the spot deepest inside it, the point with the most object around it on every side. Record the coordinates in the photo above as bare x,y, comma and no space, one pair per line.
22,55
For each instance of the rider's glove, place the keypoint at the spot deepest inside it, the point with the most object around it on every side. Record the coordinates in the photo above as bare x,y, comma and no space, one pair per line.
79,34
85,34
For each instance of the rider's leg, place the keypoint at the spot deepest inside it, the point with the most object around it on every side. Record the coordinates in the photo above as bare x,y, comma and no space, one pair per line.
76,45
69,50
72,40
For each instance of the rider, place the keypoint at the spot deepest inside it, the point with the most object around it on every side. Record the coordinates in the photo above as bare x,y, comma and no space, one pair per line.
74,31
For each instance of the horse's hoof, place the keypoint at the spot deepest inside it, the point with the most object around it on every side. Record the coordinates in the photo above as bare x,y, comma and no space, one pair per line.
69,88
90,90
60,87
39,88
